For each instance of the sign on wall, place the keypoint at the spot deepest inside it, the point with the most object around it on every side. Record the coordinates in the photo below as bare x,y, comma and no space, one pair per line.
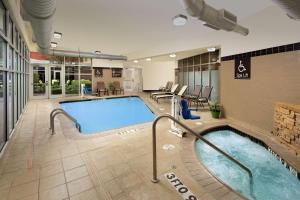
242,68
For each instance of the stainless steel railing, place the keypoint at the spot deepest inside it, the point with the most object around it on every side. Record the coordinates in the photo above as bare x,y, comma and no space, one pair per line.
155,179
57,111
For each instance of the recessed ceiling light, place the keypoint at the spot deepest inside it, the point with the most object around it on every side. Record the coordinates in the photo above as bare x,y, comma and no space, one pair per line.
98,52
179,20
135,61
212,49
148,59
57,35
173,55
53,44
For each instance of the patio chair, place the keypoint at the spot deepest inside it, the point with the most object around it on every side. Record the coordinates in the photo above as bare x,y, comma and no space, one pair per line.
205,96
117,88
101,88
166,90
195,95
166,96
186,112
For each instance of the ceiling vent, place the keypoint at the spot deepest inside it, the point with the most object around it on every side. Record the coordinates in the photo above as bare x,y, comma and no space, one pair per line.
291,7
213,18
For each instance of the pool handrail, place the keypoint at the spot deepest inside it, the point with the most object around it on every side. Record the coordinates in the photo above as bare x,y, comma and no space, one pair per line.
57,111
198,136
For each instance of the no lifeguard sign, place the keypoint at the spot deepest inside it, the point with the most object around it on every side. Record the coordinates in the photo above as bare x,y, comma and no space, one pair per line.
183,190
242,68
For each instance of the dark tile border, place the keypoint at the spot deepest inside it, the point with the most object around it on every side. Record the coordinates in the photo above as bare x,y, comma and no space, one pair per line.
267,51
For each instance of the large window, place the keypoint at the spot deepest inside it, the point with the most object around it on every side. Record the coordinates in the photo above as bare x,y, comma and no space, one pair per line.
2,18
201,70
13,84
2,111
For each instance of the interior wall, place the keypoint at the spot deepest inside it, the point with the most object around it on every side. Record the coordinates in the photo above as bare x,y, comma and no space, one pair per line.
106,78
274,78
157,74
107,63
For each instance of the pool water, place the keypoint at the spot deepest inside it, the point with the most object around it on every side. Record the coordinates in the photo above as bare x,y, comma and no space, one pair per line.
272,181
106,114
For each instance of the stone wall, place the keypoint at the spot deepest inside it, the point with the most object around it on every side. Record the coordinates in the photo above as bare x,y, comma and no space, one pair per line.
287,122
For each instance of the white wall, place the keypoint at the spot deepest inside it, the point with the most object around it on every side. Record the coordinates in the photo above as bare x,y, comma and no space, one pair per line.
156,74
107,63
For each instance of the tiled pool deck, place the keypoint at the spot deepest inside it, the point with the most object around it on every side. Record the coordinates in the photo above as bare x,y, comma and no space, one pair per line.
113,166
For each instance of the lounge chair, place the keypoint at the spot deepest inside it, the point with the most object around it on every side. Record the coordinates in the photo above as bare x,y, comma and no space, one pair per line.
205,96
166,90
186,112
195,94
166,96
167,87
117,88
101,88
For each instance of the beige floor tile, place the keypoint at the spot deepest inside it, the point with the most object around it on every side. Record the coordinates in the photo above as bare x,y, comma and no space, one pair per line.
113,188
4,193
87,195
57,193
22,191
79,185
52,181
129,180
25,176
105,175
72,162
76,173
51,168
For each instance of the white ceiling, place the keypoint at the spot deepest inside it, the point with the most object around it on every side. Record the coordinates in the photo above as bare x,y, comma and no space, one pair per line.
141,28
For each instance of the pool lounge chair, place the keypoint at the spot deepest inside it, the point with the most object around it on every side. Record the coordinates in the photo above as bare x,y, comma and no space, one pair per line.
195,95
101,88
166,90
205,96
117,88
174,88
166,96
167,87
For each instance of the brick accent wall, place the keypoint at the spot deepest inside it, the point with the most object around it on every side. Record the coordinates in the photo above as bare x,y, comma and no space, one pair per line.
287,122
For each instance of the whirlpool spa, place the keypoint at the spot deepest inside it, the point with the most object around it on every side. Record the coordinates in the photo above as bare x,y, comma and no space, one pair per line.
273,178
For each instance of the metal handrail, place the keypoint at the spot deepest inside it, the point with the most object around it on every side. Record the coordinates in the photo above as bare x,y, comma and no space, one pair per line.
155,179
57,111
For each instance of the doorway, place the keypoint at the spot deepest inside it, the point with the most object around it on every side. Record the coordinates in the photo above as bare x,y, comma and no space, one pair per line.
46,81
133,80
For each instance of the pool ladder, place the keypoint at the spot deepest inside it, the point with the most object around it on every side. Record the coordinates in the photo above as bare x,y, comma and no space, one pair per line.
57,111
198,136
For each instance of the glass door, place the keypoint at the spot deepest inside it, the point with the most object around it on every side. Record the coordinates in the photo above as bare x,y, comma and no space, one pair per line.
39,82
56,82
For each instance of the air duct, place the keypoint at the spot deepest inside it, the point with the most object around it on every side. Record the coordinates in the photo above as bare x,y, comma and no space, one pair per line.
85,54
40,14
291,7
213,18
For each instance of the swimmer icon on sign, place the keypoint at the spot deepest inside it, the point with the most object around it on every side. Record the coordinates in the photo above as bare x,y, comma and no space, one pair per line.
242,68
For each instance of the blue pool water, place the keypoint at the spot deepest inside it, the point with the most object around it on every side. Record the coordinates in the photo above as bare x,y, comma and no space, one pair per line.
105,114
272,181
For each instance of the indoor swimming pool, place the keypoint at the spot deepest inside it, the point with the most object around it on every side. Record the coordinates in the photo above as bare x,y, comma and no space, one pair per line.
271,179
106,114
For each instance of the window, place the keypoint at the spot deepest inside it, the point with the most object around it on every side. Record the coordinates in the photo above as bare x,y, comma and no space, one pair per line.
10,30
2,109
2,18
2,53
116,72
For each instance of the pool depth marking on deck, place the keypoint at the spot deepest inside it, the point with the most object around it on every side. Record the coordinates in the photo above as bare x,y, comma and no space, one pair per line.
182,189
